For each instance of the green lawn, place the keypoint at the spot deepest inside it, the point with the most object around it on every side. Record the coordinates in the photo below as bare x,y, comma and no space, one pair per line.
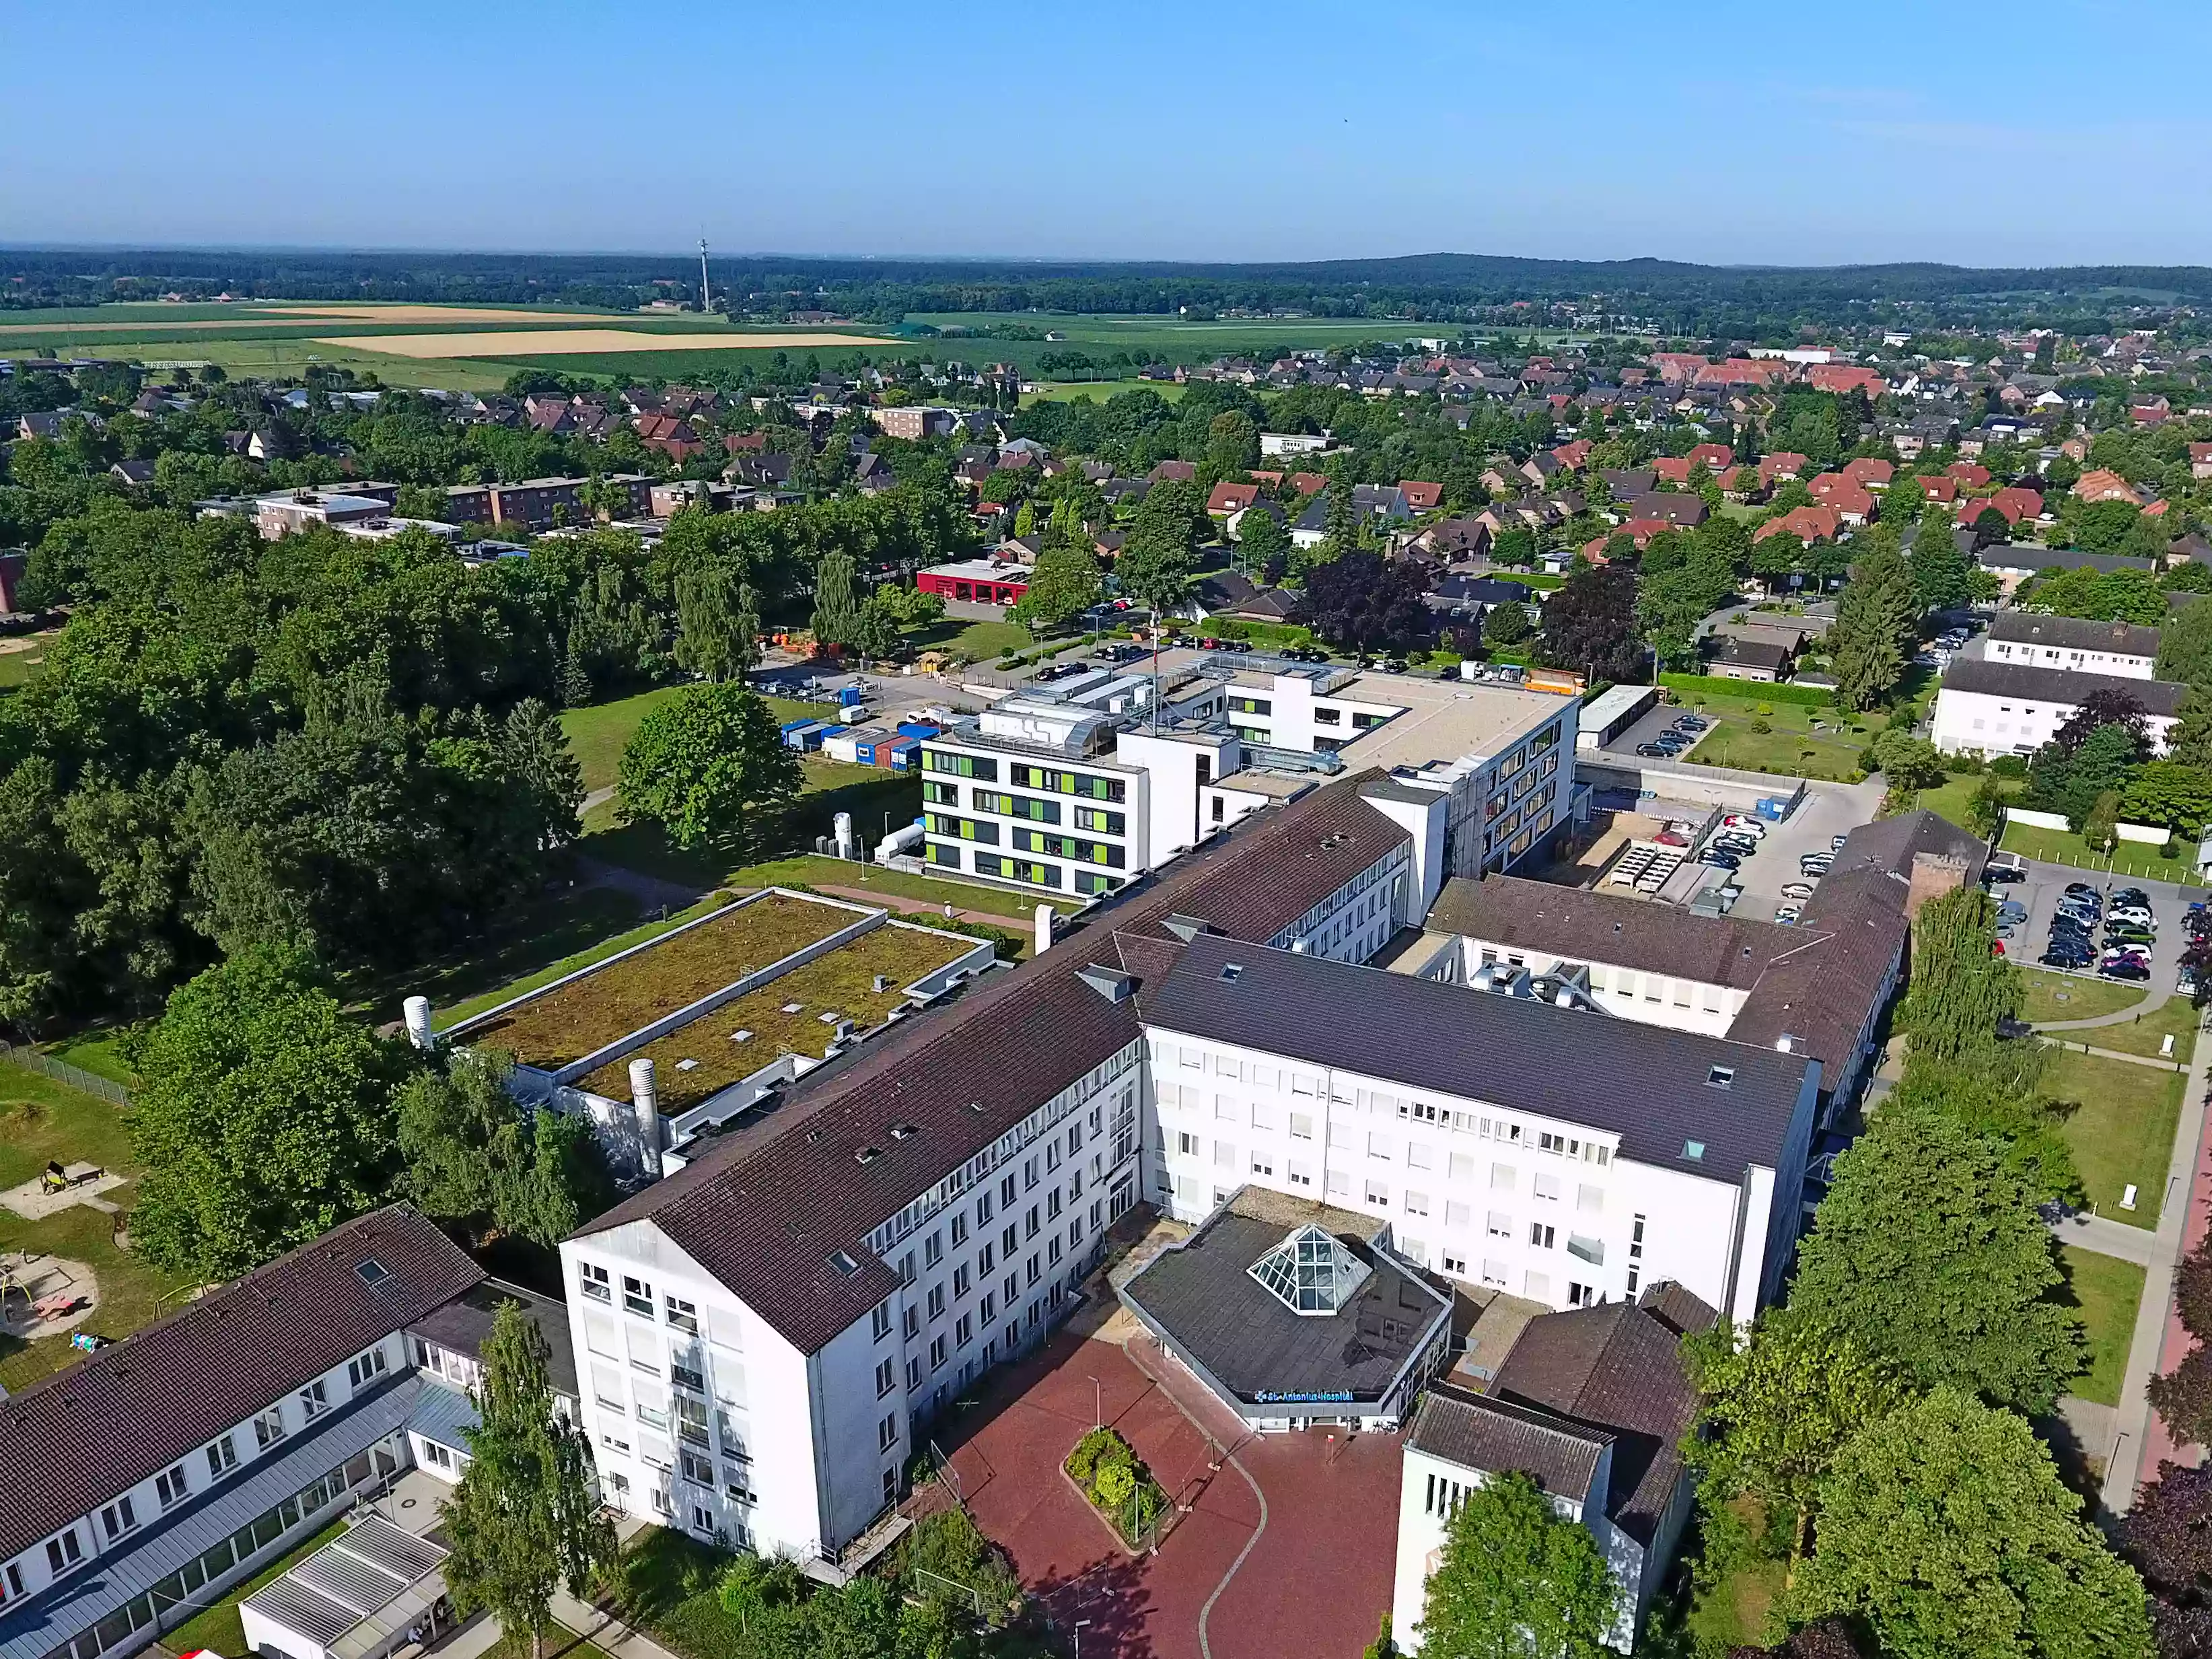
978,641
2083,997
2121,1130
219,1628
42,1119
599,732
2107,1290
1950,798
1733,1614
1061,391
95,1052
2128,859
2177,1017
16,665
1800,741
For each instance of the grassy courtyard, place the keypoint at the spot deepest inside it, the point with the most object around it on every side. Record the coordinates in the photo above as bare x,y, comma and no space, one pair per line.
599,732
1799,740
2128,859
2121,1129
2107,1291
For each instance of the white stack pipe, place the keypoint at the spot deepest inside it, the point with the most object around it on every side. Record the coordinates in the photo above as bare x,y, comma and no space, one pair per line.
417,1011
1043,928
844,833
645,1093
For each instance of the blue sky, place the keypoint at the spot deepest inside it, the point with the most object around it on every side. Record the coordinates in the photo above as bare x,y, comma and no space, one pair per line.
2040,131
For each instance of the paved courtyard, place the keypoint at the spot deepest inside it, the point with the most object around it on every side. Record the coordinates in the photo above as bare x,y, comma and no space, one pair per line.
1261,1562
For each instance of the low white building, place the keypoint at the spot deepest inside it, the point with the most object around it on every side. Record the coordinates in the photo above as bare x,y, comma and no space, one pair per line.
1992,708
140,1483
2029,640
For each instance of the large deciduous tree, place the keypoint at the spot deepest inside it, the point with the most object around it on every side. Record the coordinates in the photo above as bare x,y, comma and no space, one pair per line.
1945,1527
1928,1252
704,764
264,1118
523,1520
1588,624
836,599
1517,1577
1364,602
1064,585
1777,1401
474,1154
1156,560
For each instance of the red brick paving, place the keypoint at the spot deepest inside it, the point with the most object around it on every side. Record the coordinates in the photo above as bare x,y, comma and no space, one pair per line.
1315,1586
2159,1442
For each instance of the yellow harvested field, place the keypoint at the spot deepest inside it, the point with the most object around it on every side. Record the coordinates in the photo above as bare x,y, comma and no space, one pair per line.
530,343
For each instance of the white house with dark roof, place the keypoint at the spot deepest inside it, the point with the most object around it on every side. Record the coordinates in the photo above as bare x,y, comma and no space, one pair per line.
1993,708
141,1482
2073,644
1592,1405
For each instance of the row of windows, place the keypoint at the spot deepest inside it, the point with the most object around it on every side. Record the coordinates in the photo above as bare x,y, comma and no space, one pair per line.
961,766
947,856
637,1299
1067,783
1068,846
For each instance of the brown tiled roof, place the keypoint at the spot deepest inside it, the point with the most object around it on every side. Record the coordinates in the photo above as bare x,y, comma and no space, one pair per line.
766,1209
1586,926
1617,1368
1477,1431
73,1441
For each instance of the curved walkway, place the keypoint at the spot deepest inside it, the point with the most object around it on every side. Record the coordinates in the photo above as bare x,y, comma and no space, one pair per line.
2134,1011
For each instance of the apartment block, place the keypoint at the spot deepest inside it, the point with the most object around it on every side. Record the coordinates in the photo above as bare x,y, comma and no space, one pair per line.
2072,644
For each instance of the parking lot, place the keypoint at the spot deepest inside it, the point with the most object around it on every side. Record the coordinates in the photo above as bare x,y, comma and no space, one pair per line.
1826,812
2046,882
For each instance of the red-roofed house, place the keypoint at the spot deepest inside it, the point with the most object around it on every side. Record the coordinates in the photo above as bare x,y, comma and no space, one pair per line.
1422,497
1826,484
1676,368
2156,509
1782,464
1807,524
1853,504
1173,472
1571,456
1945,490
1717,457
1229,498
1869,471
2200,460
1739,371
1968,473
1309,483
1672,469
1845,377
2016,503
2102,485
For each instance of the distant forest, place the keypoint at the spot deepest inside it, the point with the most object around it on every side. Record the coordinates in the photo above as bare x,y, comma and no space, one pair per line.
1673,297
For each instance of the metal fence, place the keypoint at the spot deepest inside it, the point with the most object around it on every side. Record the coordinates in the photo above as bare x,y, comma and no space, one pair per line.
61,1071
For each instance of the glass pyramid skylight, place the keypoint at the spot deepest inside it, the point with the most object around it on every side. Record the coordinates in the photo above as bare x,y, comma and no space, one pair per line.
1310,1273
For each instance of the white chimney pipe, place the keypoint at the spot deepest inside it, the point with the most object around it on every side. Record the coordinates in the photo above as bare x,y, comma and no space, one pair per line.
647,1095
417,1011
1043,928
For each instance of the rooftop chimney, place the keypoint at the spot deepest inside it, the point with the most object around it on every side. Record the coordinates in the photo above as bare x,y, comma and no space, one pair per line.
417,1010
1934,874
646,1095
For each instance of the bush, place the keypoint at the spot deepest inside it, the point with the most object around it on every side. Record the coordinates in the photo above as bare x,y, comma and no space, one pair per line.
2009,765
1762,727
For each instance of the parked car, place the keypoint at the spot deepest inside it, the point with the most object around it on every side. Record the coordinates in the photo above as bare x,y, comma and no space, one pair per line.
1719,861
1744,821
1836,842
1789,915
1797,889
2132,913
1998,874
2128,970
1651,752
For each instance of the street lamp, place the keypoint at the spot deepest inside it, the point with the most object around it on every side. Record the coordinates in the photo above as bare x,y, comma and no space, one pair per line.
1098,1404
1079,1625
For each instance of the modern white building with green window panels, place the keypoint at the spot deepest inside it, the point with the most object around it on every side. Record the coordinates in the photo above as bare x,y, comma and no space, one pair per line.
1078,788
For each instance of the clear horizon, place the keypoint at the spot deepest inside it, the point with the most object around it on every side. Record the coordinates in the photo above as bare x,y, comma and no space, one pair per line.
1284,133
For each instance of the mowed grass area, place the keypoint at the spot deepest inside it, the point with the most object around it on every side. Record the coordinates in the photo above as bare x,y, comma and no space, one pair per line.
20,655
1790,745
2128,859
978,641
1066,392
2107,1291
41,1121
2064,996
2177,1017
219,1629
599,732
2120,1130
1951,797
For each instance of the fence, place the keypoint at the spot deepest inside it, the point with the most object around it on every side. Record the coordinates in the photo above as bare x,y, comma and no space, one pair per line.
61,1071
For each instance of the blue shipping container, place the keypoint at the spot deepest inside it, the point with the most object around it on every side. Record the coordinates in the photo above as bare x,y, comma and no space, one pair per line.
806,734
919,729
849,696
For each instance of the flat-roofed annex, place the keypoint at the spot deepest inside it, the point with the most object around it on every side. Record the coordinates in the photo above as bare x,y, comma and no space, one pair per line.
840,983
1443,721
581,1015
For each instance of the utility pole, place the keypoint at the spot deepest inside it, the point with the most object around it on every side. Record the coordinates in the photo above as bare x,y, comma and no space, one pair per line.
706,294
